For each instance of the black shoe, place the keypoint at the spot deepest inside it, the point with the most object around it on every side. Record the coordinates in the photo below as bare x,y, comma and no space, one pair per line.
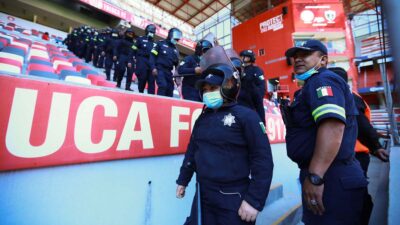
128,89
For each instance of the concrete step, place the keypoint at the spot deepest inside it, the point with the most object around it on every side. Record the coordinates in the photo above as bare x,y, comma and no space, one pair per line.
275,193
285,211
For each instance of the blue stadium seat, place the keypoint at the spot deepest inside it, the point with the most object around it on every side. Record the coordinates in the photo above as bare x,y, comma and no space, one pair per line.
38,61
65,73
43,74
86,72
16,51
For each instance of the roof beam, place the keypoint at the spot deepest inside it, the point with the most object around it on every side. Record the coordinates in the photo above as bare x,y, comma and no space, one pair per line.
179,7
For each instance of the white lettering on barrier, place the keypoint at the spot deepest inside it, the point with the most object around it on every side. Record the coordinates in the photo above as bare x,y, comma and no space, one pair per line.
195,115
176,125
84,121
129,134
20,124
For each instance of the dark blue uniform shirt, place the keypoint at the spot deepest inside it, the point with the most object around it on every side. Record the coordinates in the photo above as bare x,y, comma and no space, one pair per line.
164,56
143,46
324,95
225,147
186,67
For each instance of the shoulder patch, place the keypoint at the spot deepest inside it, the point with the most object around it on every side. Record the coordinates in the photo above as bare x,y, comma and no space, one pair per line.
182,63
324,91
262,127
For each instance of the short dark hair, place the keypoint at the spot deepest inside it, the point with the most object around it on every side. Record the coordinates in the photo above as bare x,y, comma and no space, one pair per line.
341,72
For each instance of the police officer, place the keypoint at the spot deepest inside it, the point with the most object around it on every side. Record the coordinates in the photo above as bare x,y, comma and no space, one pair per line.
253,85
367,142
321,133
190,69
124,52
144,45
228,144
163,59
109,53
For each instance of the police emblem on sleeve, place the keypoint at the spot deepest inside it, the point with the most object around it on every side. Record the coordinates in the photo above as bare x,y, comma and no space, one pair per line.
228,120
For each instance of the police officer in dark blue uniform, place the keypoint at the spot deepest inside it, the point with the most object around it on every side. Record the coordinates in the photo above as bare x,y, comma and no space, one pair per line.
228,144
321,134
190,69
111,59
144,45
253,84
163,59
100,50
124,50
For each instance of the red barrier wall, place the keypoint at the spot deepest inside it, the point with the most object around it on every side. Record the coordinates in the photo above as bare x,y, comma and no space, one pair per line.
47,124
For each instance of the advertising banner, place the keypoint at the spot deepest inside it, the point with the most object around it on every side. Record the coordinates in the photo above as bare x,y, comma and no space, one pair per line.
314,17
47,124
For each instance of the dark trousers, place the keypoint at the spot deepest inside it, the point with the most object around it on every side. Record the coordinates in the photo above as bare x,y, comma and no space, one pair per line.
343,197
108,65
218,208
364,160
165,83
144,75
120,69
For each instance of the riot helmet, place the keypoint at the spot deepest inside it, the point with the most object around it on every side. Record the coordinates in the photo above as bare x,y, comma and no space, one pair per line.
150,30
215,62
202,47
248,53
174,35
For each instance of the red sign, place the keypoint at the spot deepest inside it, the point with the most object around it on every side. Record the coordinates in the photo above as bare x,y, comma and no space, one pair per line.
47,124
135,20
313,17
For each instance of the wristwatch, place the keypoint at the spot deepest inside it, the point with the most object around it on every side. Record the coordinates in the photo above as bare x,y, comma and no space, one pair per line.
315,179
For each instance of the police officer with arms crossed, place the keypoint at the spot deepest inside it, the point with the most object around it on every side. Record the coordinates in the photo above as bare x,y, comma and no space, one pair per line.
321,134
190,69
229,151
143,47
163,59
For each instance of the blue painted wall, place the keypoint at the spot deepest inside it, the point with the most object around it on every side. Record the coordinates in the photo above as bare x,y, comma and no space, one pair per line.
109,193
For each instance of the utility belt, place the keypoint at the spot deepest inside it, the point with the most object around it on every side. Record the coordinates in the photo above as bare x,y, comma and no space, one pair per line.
235,183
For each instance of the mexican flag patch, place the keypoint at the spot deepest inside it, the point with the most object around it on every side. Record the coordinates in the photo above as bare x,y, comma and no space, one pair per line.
324,91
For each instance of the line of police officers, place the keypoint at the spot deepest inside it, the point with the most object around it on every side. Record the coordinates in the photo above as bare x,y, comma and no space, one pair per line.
153,61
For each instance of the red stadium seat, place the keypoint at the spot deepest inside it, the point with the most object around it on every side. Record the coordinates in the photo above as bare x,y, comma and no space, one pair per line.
106,84
83,67
10,61
95,78
40,67
61,67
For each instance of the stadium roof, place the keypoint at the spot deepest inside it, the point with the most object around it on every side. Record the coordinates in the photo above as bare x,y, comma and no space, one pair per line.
195,12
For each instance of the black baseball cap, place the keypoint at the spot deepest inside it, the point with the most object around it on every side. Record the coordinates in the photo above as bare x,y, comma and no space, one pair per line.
309,45
209,79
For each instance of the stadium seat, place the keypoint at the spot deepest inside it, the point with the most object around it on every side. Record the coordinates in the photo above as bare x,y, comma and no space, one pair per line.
9,28
9,68
83,67
20,44
13,62
79,80
38,53
11,24
85,72
16,50
7,37
95,78
106,84
41,61
40,67
57,63
65,73
8,55
61,67
44,74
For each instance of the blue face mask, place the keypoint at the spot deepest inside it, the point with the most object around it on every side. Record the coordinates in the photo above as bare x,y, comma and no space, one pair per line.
174,41
213,100
308,73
